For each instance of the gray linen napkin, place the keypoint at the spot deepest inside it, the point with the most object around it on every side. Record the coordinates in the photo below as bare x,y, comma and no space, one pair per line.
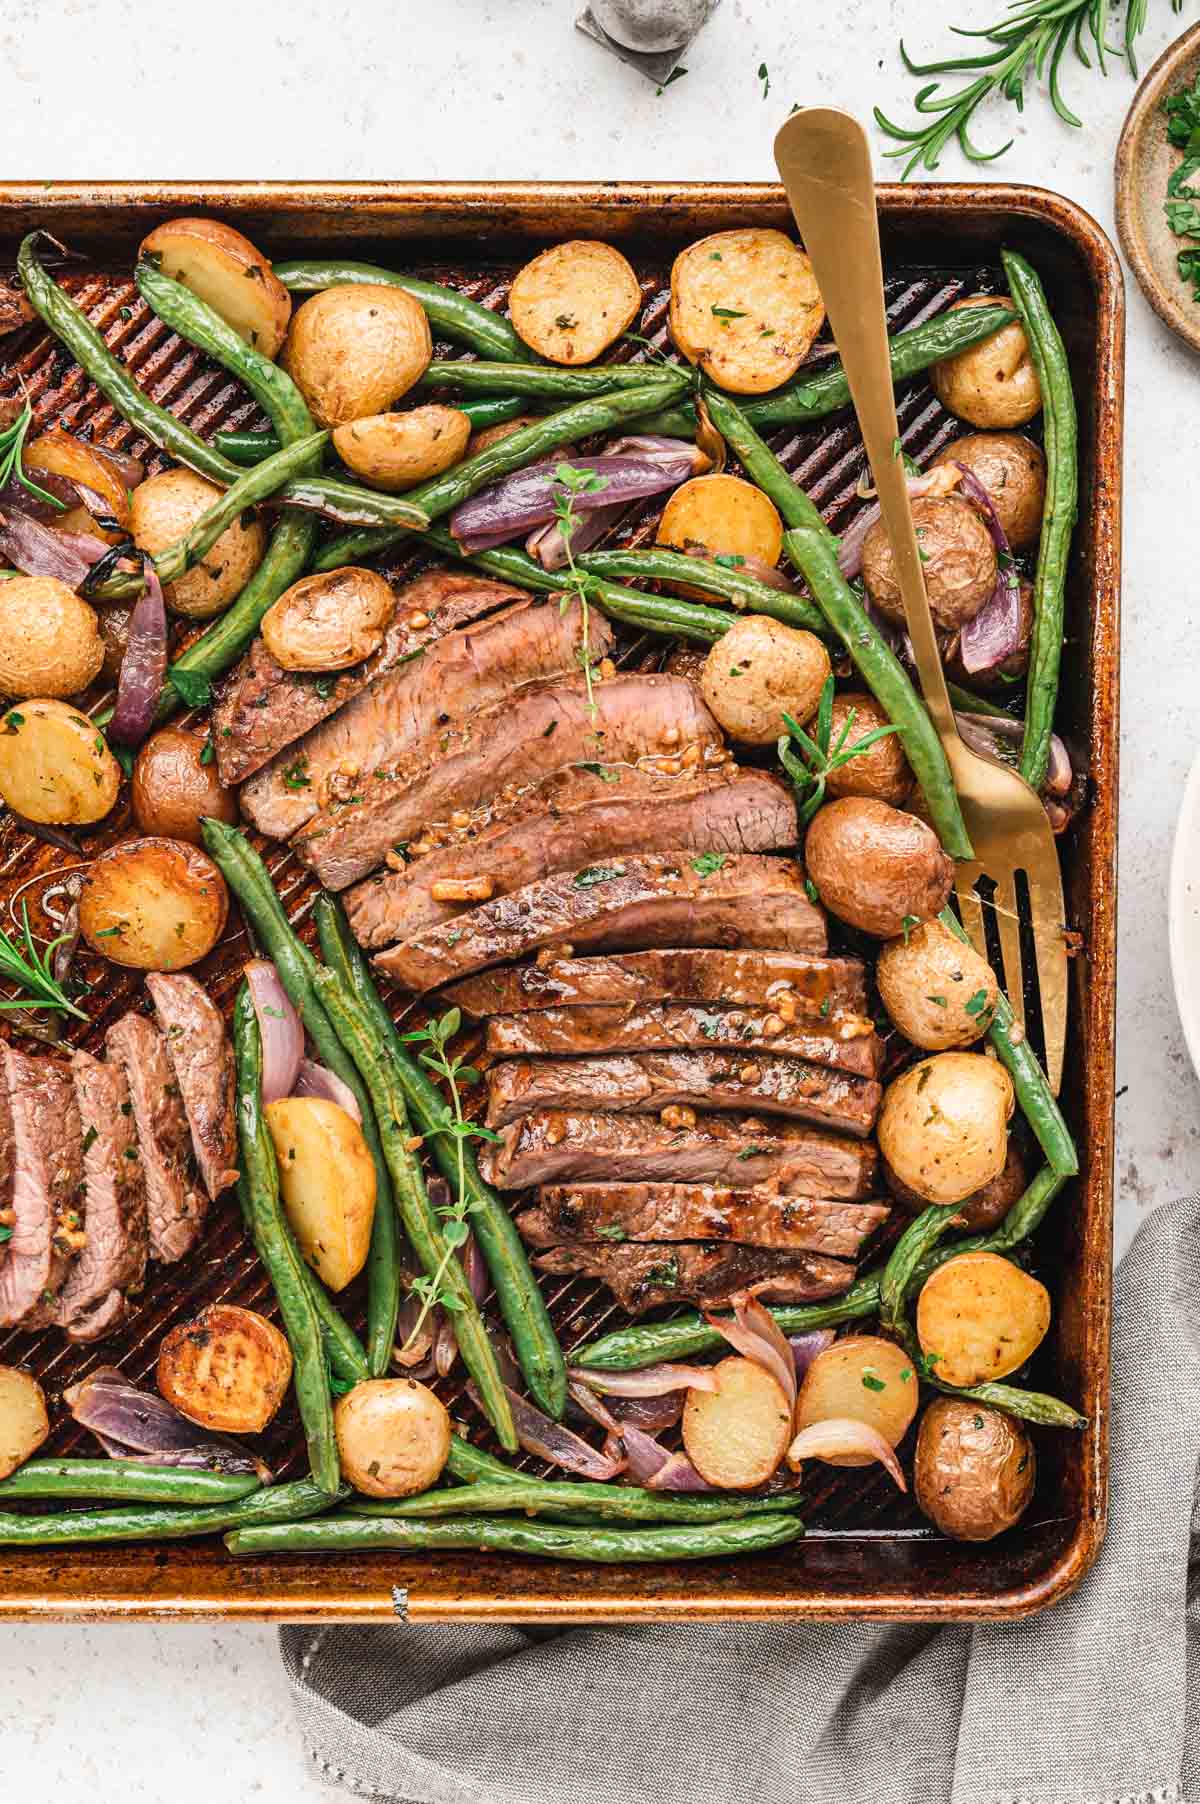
1096,1701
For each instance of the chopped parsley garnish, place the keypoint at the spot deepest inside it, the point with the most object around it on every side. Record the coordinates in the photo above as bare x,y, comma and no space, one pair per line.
294,775
613,1232
207,752
89,1139
907,924
677,74
191,686
811,890
938,1001
665,1275
765,79
976,1004
726,313
729,560
708,863
871,1383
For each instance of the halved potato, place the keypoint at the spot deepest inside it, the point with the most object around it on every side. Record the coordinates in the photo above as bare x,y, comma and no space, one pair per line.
227,1369
392,451
574,300
329,621
724,516
352,351
58,454
167,506
55,766
862,1378
327,1178
24,1424
979,1317
225,270
393,1437
156,904
50,640
737,1435
745,306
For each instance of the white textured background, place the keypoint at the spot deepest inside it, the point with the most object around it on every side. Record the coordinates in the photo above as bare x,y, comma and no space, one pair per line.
443,89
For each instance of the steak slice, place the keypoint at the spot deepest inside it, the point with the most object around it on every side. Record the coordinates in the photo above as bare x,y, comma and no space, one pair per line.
264,707
667,1026
400,720
815,990
47,1165
202,1060
113,1259
554,1146
761,1218
647,1276
509,747
751,812
750,900
175,1204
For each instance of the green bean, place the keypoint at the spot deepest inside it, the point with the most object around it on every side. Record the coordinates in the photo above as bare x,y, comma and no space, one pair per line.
368,1049
249,879
813,549
1031,1406
965,701
747,593
455,316
560,1499
443,493
1061,434
520,1301
470,1464
546,381
277,1250
917,1240
126,1481
252,447
483,1534
272,1504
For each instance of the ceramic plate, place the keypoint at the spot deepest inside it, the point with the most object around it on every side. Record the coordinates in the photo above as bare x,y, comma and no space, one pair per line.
1144,162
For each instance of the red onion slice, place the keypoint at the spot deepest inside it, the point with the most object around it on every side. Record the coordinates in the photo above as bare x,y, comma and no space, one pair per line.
526,498
135,1424
470,1257
756,1334
678,1474
279,1025
650,1413
37,550
409,1352
821,1440
992,636
313,1079
939,481
805,1347
547,545
1000,736
651,1381
129,470
652,1465
591,1405
15,494
445,1345
144,666
551,1441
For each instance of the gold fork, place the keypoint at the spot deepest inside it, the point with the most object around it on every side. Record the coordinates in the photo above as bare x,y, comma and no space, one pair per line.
825,162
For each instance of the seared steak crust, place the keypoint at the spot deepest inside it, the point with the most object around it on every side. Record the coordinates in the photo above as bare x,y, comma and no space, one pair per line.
47,1164
816,991
202,1060
610,1213
645,1277
113,1259
175,1204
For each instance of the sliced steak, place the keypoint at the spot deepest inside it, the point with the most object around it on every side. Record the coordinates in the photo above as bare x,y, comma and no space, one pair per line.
47,1165
818,991
263,707
405,717
567,1213
853,1046
509,747
202,1060
576,1146
113,1259
670,900
646,1277
175,1204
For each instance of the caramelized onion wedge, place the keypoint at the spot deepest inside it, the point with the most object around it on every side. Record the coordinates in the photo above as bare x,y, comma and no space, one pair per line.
651,1381
756,1334
840,1435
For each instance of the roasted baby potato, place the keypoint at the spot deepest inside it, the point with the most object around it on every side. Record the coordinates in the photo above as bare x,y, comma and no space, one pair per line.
882,770
997,678
937,990
24,1424
174,788
862,1378
958,561
225,270
737,1435
157,904
875,866
392,451
974,1469
723,515
393,1437
352,351
492,435
227,1369
985,1208
760,671
981,1317
58,454
1013,471
167,506
993,383
327,1178
574,300
329,621
50,640
745,307
943,1127
54,765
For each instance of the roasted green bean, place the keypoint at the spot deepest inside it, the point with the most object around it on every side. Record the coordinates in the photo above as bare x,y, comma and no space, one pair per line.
543,381
917,1241
454,315
470,1464
125,1481
746,593
567,1500
274,1503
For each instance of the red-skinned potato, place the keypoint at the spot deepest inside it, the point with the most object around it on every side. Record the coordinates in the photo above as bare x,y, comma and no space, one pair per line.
986,1207
875,866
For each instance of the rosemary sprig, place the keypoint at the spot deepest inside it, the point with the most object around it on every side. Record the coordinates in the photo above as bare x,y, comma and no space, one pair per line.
576,482
810,766
12,449
32,971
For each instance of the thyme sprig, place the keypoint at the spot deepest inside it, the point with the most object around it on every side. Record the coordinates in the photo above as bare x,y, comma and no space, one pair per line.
574,482
32,970
811,764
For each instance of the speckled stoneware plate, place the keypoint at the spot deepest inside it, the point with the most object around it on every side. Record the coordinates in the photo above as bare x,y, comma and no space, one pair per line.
1144,162
1183,905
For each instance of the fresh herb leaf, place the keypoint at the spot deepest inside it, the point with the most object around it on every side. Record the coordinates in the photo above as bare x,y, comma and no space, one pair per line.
613,1232
32,971
765,79
708,863
207,752
728,560
677,74
90,1139
726,313
12,468
294,775
191,686
938,1001
976,1004
907,925
871,1383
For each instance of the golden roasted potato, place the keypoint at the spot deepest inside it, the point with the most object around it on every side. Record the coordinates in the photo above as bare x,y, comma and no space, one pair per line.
167,506
760,671
937,990
737,1435
943,1127
958,561
745,307
157,904
55,766
574,300
492,435
352,351
1013,471
50,640
327,1178
24,1424
875,866
329,621
225,270
174,787
986,1207
723,515
992,383
980,1317
392,451
974,1469
58,454
393,1437
882,771
228,1369
862,1378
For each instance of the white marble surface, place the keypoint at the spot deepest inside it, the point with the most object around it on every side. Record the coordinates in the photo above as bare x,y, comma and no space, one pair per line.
494,88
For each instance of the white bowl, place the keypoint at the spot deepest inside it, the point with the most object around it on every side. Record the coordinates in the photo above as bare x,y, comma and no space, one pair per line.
1183,913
